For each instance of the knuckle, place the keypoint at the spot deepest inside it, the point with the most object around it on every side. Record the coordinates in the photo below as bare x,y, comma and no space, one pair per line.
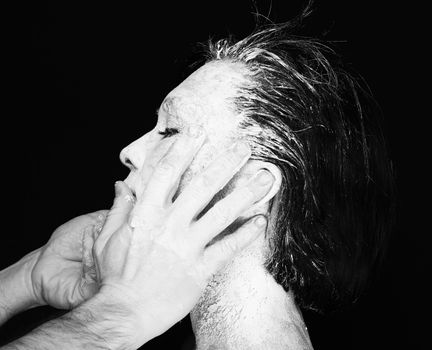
101,215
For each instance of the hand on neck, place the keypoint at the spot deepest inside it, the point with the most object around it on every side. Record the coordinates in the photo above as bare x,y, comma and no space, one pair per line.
244,308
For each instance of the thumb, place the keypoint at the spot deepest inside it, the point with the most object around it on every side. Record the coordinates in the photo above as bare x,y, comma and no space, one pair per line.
119,213
123,203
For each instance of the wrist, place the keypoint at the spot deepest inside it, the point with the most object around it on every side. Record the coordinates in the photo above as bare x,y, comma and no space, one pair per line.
16,290
129,306
109,319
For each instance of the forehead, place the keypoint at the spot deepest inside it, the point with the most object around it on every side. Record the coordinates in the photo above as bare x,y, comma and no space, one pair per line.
206,97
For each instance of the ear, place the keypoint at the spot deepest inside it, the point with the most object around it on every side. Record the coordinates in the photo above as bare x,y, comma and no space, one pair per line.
274,170
253,166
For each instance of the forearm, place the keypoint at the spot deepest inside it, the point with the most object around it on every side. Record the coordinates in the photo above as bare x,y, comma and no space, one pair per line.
95,324
16,293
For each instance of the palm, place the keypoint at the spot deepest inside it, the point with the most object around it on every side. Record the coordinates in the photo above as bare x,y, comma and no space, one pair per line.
62,276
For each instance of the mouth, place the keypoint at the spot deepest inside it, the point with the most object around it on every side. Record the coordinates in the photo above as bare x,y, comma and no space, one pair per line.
133,195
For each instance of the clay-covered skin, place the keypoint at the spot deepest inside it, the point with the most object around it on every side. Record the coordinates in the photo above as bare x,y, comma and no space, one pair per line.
243,307
200,100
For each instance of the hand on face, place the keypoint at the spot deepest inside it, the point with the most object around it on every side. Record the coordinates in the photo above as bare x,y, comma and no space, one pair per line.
153,257
64,274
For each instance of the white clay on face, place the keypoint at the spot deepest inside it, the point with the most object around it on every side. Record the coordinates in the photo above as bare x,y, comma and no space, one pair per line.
204,99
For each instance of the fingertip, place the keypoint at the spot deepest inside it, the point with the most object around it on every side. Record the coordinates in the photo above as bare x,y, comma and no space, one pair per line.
259,227
254,229
122,191
118,188
260,221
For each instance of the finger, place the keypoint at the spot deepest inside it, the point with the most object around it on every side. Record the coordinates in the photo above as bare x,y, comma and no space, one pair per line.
228,209
167,173
118,215
97,217
89,280
204,186
220,253
88,264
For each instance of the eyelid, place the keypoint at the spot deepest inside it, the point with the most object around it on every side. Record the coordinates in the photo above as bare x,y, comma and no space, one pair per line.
168,132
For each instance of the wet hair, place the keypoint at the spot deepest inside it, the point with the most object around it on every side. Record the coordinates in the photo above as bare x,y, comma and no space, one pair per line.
304,112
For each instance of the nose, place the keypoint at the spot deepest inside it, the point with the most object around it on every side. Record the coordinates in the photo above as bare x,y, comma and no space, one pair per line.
133,155
126,159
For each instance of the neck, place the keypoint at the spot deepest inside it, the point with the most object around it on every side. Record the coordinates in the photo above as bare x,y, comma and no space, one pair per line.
244,308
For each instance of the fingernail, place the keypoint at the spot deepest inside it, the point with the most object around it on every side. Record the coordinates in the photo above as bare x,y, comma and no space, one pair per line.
242,149
260,221
264,177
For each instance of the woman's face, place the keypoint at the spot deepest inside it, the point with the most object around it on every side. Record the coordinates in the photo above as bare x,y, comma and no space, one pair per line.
204,99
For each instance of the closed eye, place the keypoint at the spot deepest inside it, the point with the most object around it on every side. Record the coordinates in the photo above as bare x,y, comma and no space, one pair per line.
168,132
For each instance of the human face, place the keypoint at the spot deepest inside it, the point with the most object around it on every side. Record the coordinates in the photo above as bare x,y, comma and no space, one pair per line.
205,100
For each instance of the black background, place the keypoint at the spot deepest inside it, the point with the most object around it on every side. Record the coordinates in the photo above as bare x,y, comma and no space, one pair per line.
87,81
